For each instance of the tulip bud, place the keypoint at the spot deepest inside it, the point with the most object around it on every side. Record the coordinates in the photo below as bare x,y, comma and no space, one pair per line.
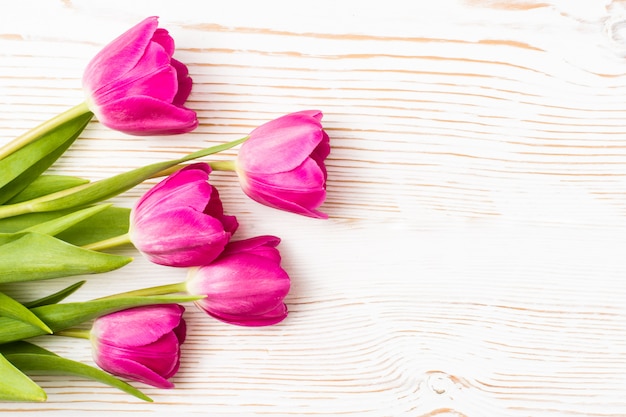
245,285
142,343
181,222
282,165
135,86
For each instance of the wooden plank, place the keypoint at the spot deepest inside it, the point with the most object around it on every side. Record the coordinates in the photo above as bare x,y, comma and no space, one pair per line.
472,264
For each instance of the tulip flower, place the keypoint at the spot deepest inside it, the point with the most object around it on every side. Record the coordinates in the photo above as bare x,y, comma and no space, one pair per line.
135,86
142,343
181,221
245,285
282,165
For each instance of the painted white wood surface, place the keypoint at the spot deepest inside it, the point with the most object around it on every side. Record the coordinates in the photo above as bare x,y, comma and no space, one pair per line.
473,263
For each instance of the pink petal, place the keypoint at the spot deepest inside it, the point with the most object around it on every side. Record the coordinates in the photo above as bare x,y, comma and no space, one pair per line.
258,286
306,177
281,144
163,38
278,202
295,201
119,56
152,76
135,371
251,244
180,237
142,115
138,326
185,83
316,114
186,187
278,314
320,153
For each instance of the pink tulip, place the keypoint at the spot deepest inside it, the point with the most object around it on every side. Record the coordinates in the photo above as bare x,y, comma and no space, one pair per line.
281,164
181,221
142,343
135,86
245,285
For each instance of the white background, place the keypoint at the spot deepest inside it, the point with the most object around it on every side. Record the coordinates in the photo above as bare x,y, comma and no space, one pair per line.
473,263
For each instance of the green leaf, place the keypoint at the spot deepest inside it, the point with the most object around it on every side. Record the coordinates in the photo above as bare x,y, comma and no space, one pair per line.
15,386
112,222
23,166
63,316
13,309
17,223
23,347
103,189
30,357
33,256
56,365
47,184
57,297
56,226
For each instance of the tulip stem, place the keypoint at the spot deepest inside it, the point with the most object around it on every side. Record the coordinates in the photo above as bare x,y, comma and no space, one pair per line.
223,165
36,132
109,243
77,333
151,291
215,165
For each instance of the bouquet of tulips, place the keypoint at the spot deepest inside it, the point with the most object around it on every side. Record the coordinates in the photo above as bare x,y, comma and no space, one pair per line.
135,86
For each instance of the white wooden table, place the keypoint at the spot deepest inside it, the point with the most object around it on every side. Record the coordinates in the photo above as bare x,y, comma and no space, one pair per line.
474,260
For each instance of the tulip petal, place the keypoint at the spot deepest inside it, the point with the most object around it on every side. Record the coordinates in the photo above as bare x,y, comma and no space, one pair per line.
153,76
135,371
138,326
269,318
303,202
143,115
261,285
163,38
185,83
264,246
161,356
187,187
308,176
281,144
119,56
316,114
320,153
186,237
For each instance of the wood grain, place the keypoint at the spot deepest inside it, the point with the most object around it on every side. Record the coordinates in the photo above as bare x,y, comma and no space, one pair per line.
473,261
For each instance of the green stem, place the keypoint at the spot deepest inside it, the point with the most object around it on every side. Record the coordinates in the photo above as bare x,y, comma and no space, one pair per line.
215,165
93,192
223,165
158,290
77,333
109,243
36,132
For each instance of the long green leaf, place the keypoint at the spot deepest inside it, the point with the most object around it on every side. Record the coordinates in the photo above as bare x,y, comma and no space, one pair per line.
56,226
29,357
15,386
34,256
57,297
114,221
103,189
63,316
47,184
15,310
26,164
56,365
23,347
